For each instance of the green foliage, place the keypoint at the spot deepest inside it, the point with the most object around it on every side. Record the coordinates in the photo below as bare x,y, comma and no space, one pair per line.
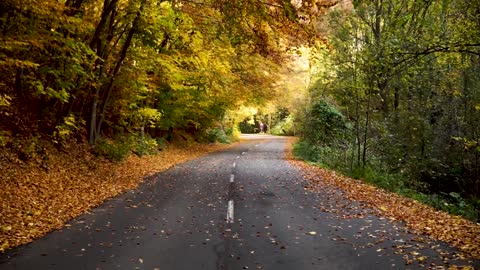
5,100
452,203
5,138
324,124
405,75
120,147
27,148
217,135
378,177
284,127
331,158
115,150
250,125
145,146
69,127
233,133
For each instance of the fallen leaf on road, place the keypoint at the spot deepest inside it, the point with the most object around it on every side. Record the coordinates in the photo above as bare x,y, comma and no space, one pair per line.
420,218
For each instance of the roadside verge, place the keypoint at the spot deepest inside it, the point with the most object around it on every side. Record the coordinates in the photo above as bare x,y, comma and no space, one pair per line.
36,199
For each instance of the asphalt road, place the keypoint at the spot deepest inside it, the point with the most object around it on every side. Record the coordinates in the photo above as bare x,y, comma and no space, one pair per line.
242,208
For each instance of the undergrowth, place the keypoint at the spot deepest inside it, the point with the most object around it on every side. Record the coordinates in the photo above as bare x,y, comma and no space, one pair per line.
335,159
118,149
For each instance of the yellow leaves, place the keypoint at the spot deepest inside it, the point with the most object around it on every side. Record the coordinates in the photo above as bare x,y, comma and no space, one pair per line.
422,258
5,100
6,229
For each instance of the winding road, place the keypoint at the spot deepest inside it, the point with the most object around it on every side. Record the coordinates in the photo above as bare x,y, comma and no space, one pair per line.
242,208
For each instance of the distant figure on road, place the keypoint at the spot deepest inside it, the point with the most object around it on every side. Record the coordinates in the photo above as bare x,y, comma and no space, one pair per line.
261,127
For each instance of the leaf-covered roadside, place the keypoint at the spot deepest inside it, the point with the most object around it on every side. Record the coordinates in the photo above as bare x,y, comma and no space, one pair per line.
459,232
35,200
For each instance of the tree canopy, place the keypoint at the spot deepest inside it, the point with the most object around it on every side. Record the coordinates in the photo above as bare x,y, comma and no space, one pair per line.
96,68
405,75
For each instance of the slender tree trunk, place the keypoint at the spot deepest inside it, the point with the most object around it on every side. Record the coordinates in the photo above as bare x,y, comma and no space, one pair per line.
367,123
19,81
356,141
382,87
95,44
93,118
73,7
109,87
108,7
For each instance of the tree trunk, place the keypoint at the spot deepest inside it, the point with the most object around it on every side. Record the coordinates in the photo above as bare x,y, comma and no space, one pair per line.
93,119
382,87
73,7
109,86
108,7
367,124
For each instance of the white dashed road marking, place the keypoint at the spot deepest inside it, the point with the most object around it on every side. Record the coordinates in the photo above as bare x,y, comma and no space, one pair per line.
230,212
232,177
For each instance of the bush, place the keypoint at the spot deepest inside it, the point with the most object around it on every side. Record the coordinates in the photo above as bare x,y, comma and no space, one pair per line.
233,133
69,126
324,124
145,146
119,148
382,179
326,156
285,127
217,135
115,150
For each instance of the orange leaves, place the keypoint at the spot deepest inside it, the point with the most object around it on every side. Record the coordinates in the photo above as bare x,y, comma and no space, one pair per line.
34,201
457,231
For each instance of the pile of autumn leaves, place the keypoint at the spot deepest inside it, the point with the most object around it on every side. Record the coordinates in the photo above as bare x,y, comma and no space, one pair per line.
422,219
35,199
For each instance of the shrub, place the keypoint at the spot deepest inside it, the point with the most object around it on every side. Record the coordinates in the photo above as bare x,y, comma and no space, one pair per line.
69,126
233,133
324,124
284,127
217,135
115,150
145,146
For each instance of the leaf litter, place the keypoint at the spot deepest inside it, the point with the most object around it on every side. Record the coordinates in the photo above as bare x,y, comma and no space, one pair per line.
35,200
419,218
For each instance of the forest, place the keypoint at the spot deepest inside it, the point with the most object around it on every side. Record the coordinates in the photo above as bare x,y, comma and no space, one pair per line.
110,71
383,90
395,99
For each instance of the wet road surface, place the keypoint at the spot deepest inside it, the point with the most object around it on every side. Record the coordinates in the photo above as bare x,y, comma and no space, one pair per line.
241,208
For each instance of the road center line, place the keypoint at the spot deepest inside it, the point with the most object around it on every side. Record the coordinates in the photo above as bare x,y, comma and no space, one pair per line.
243,153
232,177
230,212
234,164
